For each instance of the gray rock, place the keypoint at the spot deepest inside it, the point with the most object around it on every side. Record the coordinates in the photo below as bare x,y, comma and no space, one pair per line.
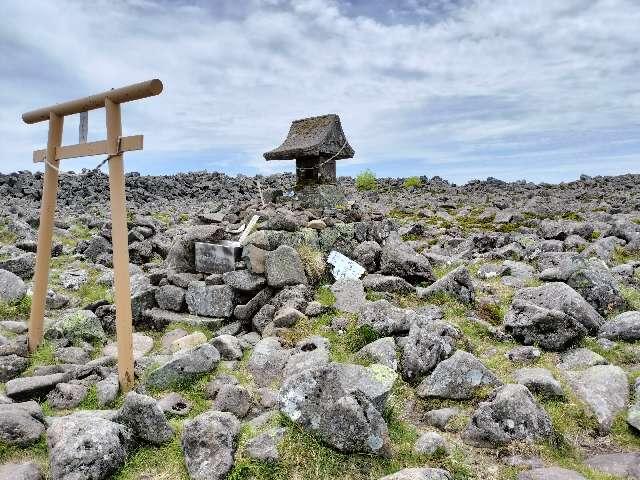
523,354
511,414
625,326
170,297
429,343
308,353
267,361
210,300
24,388
233,399
385,318
174,404
244,280
21,423
213,387
551,473
14,326
386,283
593,280
579,359
12,366
284,267
82,325
458,377
342,415
107,389
539,380
185,366
171,336
523,462
349,294
73,279
67,395
144,417
21,471
604,389
143,297
209,442
419,474
98,245
624,465
430,443
381,351
142,344
86,447
400,260
75,355
253,306
367,254
22,265
440,417
456,284
12,288
228,346
551,316
287,317
264,447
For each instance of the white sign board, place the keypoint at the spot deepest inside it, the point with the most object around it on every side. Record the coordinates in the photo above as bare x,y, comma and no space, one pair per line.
344,267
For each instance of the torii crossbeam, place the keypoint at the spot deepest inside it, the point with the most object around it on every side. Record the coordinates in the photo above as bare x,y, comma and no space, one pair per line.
113,146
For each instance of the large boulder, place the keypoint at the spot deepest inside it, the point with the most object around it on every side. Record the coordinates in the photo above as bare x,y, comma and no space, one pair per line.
209,442
605,390
12,288
284,267
82,325
550,473
184,367
400,260
552,316
511,414
458,377
429,342
456,284
339,407
86,447
623,465
11,366
21,423
625,326
143,416
24,388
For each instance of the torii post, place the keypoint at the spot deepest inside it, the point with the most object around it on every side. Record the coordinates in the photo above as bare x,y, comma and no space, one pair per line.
113,146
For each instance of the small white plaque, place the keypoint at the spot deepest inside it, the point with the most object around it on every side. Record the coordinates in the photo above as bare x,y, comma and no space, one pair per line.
344,267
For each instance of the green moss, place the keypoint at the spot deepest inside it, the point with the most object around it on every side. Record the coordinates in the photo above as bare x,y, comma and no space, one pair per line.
412,182
631,296
43,355
325,296
183,218
573,216
163,217
441,270
7,237
37,453
622,353
622,255
156,463
15,310
596,234
90,402
313,261
366,180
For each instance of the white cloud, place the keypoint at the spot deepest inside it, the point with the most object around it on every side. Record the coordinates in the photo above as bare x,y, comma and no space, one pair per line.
473,80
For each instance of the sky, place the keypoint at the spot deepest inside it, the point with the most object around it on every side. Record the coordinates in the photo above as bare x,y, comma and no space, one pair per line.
543,90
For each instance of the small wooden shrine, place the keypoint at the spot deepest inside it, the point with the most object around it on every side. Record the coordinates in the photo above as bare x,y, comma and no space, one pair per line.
315,144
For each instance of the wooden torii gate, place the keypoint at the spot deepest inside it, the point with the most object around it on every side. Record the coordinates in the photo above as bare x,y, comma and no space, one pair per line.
113,146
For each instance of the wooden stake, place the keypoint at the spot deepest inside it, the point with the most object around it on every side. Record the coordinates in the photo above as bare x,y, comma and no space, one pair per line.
124,327
45,232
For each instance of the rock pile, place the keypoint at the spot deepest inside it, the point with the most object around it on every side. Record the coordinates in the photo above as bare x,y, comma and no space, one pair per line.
491,318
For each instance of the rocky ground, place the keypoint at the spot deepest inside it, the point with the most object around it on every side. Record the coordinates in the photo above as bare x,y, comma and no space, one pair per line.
495,334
